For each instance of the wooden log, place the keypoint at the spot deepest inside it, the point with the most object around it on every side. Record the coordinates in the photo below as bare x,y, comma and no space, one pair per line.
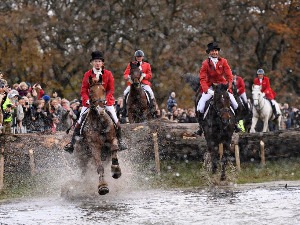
176,141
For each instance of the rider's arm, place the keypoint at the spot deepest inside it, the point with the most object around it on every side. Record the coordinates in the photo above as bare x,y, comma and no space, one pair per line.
110,89
127,72
228,73
203,76
85,89
147,70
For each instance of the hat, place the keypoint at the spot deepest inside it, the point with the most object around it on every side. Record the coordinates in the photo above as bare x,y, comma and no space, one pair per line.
260,71
139,53
12,93
46,98
97,55
212,46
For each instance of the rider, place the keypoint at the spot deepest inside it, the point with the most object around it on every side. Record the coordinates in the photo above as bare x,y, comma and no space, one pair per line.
264,82
97,61
214,70
240,88
147,76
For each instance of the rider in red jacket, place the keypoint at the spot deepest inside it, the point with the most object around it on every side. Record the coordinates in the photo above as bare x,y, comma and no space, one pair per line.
239,83
146,84
214,70
264,82
97,61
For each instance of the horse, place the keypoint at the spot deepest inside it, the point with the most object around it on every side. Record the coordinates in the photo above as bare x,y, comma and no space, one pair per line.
242,113
137,102
218,125
98,133
262,109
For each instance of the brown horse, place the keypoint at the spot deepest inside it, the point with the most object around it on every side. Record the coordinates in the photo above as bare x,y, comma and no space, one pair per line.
98,132
137,104
218,126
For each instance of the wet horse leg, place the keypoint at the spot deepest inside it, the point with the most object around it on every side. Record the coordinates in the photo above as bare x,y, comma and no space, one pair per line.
115,168
102,186
226,146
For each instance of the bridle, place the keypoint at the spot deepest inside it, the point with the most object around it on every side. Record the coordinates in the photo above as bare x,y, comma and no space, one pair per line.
259,101
100,101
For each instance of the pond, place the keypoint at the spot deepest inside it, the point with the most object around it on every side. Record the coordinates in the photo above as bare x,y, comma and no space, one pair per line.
265,203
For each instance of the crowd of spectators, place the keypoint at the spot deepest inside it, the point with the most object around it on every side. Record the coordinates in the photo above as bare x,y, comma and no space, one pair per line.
28,109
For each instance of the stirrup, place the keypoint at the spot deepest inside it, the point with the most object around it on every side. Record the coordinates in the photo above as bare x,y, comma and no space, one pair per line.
69,148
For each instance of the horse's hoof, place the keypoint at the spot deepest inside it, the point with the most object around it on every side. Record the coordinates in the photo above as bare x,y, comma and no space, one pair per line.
103,190
116,171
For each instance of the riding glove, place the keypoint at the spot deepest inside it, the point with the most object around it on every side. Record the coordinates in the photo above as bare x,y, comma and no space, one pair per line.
211,92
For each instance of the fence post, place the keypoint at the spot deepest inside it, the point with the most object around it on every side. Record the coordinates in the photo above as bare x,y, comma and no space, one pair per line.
262,153
156,153
31,162
1,168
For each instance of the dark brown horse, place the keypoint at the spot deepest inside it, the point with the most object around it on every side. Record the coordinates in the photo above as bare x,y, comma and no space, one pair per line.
98,132
218,127
137,104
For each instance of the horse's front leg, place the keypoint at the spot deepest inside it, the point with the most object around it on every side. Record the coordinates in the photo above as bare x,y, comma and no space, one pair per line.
115,168
266,125
102,186
254,122
224,159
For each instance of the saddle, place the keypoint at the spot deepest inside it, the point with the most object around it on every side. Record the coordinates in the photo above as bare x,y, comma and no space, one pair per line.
147,95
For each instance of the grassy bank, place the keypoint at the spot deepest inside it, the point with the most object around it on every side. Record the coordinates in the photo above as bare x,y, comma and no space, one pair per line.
192,174
173,174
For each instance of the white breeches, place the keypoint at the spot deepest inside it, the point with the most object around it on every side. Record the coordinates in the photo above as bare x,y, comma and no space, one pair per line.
243,97
205,97
273,102
110,109
145,87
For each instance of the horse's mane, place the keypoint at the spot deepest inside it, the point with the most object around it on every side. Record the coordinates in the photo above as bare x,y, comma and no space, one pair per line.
256,87
134,65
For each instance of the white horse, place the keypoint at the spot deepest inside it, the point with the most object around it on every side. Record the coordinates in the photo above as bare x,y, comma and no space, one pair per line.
262,109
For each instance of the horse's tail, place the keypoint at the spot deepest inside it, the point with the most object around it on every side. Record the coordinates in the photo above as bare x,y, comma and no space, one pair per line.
193,80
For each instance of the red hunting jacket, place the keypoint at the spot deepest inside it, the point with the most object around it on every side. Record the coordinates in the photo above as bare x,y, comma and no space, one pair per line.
146,68
265,87
209,74
108,83
240,85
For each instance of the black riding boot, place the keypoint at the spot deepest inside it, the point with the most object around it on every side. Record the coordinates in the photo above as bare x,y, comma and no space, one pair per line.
121,143
153,107
276,114
70,146
201,123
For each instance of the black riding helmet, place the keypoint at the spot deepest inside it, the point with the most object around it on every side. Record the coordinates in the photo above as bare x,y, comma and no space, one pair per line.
139,53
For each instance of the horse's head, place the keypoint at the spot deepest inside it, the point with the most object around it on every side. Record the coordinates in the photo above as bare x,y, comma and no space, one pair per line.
222,103
97,94
135,73
257,94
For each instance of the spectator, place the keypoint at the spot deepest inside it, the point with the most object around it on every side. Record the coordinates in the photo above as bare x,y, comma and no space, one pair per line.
23,89
68,116
171,102
288,115
20,116
191,116
37,91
